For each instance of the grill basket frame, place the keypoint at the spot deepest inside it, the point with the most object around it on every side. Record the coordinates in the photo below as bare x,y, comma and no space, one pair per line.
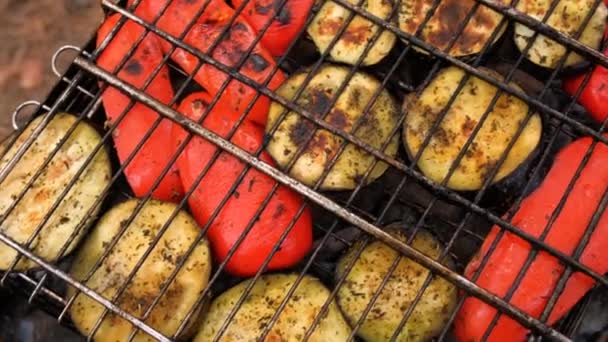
78,92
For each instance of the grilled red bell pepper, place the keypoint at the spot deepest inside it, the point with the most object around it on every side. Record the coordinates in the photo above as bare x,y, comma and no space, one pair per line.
240,208
284,28
149,162
539,281
230,51
595,95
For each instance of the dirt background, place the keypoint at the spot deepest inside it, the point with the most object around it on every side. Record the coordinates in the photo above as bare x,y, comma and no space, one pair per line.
30,32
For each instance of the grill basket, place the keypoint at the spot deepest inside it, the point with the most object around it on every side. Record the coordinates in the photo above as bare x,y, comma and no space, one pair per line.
403,194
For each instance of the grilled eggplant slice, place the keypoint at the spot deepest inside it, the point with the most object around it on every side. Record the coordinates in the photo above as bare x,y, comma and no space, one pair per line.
456,127
430,314
183,292
567,18
446,21
262,303
357,36
21,222
294,130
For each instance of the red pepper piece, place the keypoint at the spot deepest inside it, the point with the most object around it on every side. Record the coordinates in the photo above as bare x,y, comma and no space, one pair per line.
284,28
235,215
149,162
230,51
594,96
541,278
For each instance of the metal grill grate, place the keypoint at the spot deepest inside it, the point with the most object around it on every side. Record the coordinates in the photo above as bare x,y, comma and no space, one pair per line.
403,194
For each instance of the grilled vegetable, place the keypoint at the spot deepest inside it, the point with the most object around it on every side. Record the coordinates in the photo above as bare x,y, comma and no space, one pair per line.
540,280
460,121
235,214
262,303
144,288
445,22
567,18
230,51
29,212
294,130
364,280
155,154
594,96
284,28
359,33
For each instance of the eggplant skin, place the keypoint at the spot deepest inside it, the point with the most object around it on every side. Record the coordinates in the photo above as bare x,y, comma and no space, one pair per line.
144,288
21,222
262,303
430,314
358,35
458,124
294,130
445,22
567,18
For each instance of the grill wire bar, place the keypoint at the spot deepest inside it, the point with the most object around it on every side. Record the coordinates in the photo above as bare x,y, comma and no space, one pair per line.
78,90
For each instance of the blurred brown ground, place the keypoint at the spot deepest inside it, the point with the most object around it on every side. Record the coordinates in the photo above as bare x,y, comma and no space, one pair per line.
30,32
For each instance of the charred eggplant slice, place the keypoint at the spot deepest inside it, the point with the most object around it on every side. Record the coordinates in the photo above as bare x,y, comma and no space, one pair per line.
181,295
262,303
458,124
567,18
294,130
445,23
28,213
363,281
359,33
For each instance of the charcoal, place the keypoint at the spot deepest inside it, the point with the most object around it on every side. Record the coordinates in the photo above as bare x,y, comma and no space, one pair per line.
20,322
337,243
593,321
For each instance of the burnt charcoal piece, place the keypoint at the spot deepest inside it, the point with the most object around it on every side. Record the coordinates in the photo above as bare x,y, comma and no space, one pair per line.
303,53
417,195
337,243
178,79
588,321
322,218
411,72
21,322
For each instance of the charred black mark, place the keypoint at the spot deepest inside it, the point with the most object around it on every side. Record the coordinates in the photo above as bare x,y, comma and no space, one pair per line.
338,119
133,67
355,98
301,131
239,26
262,9
442,136
258,63
251,183
278,211
284,15
319,102
198,105
468,125
146,51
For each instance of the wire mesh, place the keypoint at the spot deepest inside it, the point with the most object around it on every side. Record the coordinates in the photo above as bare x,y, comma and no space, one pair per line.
81,89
